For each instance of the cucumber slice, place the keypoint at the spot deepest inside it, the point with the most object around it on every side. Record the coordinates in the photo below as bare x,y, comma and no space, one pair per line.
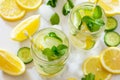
24,54
111,24
77,20
52,41
112,39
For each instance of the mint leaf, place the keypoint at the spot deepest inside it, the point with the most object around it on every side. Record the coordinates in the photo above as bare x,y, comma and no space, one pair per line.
97,12
50,54
54,19
52,3
90,76
87,19
55,52
99,22
52,34
61,49
93,24
54,49
70,3
67,7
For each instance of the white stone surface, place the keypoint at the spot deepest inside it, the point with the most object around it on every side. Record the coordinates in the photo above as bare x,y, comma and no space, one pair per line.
76,57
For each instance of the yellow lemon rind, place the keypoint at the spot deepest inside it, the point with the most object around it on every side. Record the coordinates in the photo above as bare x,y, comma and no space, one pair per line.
15,57
15,18
18,29
103,63
29,8
86,61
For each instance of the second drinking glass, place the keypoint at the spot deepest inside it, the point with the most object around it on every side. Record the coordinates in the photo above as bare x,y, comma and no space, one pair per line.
87,22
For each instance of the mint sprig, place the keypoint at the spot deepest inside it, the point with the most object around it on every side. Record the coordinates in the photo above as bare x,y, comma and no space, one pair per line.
93,24
97,13
90,76
53,34
52,3
55,52
54,19
67,7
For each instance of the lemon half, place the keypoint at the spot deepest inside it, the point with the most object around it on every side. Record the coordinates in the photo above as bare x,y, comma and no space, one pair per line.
11,64
9,10
29,25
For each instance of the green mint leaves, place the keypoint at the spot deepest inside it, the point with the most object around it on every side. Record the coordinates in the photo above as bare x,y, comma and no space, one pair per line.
54,19
97,12
95,22
52,34
90,76
52,3
55,52
67,7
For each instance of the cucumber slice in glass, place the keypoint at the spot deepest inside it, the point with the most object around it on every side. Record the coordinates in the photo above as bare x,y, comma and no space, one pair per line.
77,20
52,41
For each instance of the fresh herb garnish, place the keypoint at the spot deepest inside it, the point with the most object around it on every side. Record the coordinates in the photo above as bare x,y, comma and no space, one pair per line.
52,3
97,13
54,19
55,52
52,34
90,76
67,7
93,24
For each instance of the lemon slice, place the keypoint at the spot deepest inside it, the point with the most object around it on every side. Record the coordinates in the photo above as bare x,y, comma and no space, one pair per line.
29,4
111,7
30,25
93,65
10,11
110,59
89,43
11,64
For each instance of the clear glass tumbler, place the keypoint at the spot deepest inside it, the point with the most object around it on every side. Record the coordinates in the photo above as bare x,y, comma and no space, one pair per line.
87,22
50,50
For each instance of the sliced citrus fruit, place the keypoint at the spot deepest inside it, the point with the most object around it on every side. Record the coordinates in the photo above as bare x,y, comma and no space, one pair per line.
71,79
93,65
11,64
10,11
110,59
30,25
29,4
111,7
89,43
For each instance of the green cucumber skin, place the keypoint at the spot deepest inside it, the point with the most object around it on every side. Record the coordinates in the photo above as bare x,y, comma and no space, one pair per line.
107,44
18,54
28,61
111,29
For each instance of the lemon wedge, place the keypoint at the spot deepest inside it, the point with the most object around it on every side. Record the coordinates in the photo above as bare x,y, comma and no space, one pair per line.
29,4
93,65
9,10
89,42
111,7
110,59
30,25
11,64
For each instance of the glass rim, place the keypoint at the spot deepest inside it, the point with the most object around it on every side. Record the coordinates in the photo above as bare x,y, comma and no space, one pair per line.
64,57
73,10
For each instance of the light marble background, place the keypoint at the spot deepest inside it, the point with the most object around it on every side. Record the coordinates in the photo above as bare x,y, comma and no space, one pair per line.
76,58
